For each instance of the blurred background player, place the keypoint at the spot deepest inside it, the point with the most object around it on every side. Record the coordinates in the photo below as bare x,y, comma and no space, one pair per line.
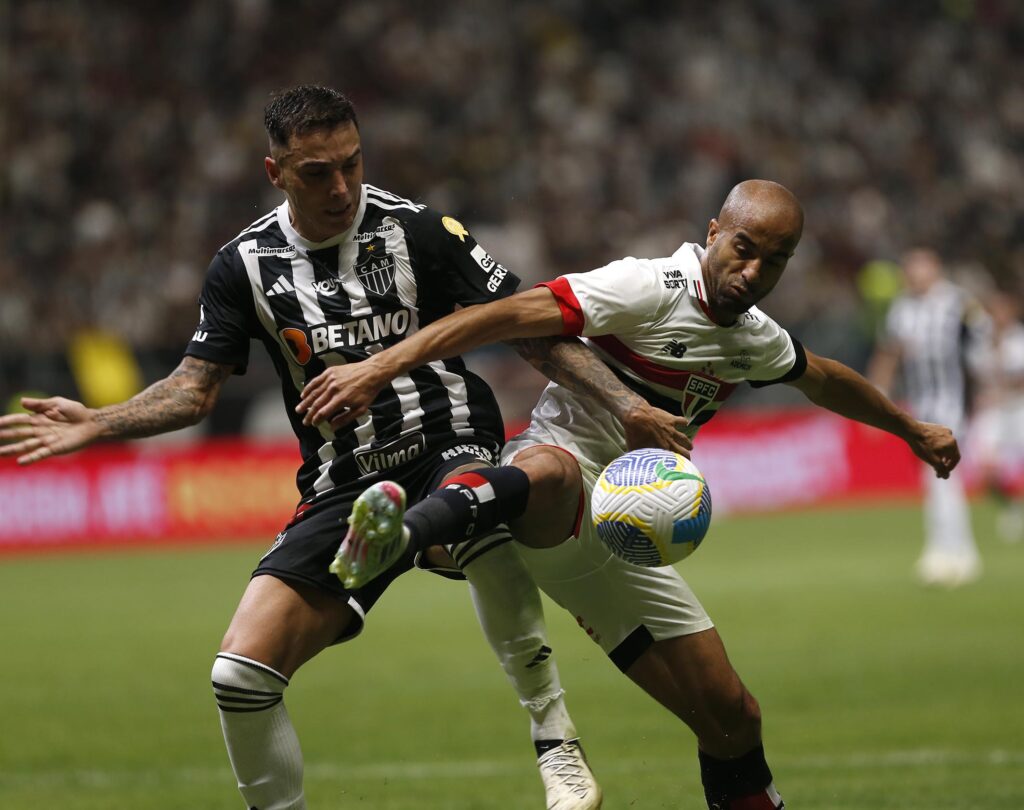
922,132
338,271
931,332
997,431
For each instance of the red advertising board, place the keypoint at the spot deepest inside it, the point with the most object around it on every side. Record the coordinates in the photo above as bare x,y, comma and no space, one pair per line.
150,493
757,461
146,493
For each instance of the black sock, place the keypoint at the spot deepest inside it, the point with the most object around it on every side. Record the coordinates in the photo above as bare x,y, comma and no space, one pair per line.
467,505
728,779
543,746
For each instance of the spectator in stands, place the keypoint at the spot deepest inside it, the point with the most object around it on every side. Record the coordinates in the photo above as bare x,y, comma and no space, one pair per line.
128,133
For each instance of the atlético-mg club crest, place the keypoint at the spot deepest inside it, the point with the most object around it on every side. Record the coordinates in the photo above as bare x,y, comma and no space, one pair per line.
376,272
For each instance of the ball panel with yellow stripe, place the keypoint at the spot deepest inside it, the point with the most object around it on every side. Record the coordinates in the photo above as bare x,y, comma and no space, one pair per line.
651,507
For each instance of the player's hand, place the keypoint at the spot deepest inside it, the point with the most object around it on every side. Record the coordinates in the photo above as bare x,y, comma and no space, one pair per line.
52,427
935,445
647,426
340,394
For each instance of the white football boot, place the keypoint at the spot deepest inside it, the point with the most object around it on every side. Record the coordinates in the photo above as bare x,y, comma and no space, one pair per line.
569,784
948,570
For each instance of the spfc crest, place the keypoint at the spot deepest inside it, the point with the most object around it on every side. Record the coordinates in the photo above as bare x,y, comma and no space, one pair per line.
698,394
376,272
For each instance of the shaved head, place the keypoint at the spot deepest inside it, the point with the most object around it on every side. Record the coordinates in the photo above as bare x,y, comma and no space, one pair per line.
763,203
748,246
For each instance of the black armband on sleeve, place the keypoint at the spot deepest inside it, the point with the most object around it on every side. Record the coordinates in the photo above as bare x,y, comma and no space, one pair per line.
795,373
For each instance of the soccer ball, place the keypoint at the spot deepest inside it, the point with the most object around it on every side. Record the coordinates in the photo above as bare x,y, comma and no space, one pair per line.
651,507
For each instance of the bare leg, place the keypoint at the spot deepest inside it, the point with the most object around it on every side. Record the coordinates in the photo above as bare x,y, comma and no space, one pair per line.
556,486
284,624
691,676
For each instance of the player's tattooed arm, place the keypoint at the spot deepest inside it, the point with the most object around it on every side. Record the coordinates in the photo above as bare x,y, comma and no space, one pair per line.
57,425
571,364
568,362
181,399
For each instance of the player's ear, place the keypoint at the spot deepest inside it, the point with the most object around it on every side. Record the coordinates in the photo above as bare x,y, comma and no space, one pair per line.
712,232
273,172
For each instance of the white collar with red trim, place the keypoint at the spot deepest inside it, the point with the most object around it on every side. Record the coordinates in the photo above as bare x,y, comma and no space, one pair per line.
690,255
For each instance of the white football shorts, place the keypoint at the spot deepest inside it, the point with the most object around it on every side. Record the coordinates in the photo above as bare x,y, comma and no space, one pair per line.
997,435
622,607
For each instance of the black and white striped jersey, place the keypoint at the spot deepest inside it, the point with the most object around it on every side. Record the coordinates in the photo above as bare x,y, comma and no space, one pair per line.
399,267
934,333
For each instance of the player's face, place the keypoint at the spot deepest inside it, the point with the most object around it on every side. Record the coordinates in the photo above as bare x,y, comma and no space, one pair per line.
321,173
744,262
921,269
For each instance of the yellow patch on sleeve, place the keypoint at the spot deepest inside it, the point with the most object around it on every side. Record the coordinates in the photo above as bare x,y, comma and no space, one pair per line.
453,226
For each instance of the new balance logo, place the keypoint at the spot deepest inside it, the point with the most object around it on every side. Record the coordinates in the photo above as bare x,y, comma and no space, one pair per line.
674,348
282,285
543,654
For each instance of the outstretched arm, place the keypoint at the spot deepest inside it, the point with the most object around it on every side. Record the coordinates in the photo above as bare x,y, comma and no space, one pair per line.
58,425
842,390
343,393
570,363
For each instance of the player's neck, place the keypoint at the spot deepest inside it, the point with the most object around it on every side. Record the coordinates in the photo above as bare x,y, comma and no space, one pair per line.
722,320
714,314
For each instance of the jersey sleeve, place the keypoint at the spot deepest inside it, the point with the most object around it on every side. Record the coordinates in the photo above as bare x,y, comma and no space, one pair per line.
976,319
781,359
226,315
616,298
465,271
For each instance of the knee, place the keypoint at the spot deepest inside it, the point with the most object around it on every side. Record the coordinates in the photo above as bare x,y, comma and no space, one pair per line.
241,684
553,473
555,497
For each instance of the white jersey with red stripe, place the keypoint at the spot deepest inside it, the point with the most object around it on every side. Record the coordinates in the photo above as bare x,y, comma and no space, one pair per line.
648,319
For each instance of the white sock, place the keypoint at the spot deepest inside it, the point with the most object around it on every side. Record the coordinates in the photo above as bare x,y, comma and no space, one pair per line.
947,517
262,745
510,612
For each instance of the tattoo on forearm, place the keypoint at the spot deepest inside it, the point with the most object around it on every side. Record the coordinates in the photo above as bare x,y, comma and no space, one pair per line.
177,401
568,362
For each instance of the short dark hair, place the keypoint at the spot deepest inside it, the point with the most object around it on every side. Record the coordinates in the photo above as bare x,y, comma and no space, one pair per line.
305,108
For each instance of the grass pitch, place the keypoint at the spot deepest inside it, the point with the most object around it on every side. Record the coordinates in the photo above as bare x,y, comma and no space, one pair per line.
876,693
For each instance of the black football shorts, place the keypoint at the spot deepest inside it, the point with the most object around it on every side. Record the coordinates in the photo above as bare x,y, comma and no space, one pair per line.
307,545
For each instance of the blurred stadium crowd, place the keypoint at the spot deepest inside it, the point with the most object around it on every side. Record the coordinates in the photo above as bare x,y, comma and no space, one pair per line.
564,133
